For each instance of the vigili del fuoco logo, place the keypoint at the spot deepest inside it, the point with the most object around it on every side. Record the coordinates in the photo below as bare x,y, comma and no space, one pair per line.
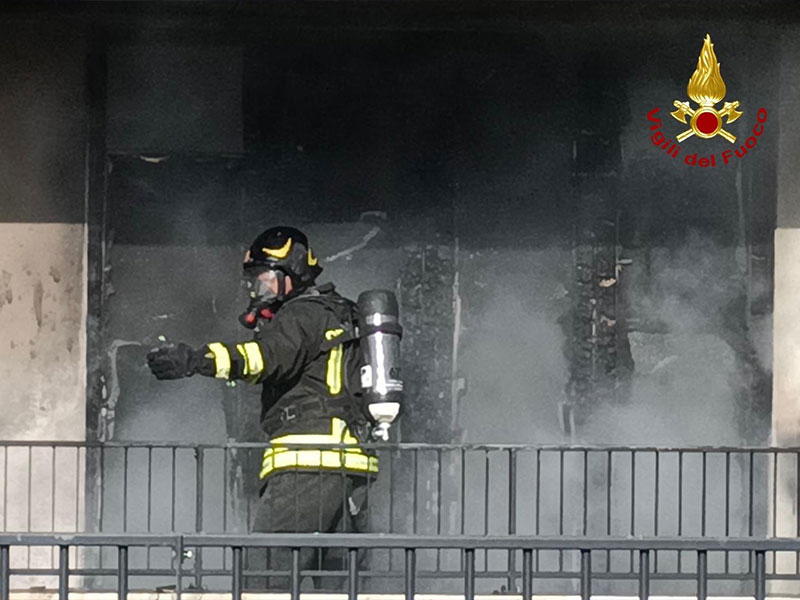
707,89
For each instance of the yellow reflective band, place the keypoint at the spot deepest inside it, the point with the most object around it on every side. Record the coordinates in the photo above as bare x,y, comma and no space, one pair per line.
334,375
312,261
318,459
350,459
340,434
222,360
253,360
281,252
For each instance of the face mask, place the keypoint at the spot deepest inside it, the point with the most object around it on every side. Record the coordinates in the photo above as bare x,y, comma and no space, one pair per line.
263,285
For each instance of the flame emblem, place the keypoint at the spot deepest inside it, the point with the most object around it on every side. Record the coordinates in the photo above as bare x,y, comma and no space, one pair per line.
706,88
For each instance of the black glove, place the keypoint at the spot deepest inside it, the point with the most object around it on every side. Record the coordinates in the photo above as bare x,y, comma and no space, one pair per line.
174,362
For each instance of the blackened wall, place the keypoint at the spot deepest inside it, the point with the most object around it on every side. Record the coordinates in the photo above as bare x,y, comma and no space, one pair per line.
467,137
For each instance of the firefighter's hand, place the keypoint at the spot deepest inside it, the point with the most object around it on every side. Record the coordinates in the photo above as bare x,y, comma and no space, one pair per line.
171,363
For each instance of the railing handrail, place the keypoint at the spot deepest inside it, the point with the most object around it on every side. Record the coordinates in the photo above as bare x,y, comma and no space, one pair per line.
401,446
384,541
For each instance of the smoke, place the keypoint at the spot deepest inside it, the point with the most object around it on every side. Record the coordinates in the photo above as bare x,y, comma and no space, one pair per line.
512,356
686,377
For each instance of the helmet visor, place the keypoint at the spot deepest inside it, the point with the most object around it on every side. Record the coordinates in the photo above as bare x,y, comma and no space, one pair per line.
263,283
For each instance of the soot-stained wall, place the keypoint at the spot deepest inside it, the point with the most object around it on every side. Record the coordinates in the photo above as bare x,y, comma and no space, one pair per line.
470,149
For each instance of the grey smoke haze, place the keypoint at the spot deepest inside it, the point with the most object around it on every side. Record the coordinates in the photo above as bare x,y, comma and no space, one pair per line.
685,375
511,354
493,174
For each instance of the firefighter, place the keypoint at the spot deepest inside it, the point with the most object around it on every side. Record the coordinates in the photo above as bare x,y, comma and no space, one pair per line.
305,355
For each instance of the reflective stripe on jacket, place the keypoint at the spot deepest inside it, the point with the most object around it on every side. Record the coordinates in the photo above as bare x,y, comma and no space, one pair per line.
350,459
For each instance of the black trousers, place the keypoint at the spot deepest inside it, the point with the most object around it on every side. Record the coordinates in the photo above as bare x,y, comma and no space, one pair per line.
307,502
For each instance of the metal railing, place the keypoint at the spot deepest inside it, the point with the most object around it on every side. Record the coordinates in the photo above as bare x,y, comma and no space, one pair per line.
423,490
407,579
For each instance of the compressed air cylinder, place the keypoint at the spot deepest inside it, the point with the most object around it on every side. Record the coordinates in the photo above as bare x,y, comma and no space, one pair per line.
380,334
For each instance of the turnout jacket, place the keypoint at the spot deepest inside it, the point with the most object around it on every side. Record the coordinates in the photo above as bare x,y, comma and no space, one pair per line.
307,360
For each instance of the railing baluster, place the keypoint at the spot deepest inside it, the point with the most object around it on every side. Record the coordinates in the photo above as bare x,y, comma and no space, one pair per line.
391,504
644,574
391,492
149,496
179,568
463,489
656,491
527,574
30,497
30,494
122,572
5,488
538,498
173,476
702,575
439,501
102,486
609,476
797,508
53,491
585,514
486,507
761,575
295,575
586,575
680,506
416,488
224,496
727,506
561,505
469,574
63,572
125,489
236,587
5,576
703,493
512,518
410,573
199,455
633,501
750,492
352,574
463,498
486,492
775,456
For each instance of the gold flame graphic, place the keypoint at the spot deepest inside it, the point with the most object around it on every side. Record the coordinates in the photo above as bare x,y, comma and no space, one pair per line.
705,85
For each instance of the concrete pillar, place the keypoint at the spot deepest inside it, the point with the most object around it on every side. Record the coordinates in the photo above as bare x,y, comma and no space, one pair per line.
786,326
42,381
42,284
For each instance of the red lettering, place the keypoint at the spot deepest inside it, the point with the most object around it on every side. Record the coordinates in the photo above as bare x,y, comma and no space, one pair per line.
674,152
690,159
703,162
657,138
758,129
726,155
744,151
759,117
747,142
713,161
651,117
